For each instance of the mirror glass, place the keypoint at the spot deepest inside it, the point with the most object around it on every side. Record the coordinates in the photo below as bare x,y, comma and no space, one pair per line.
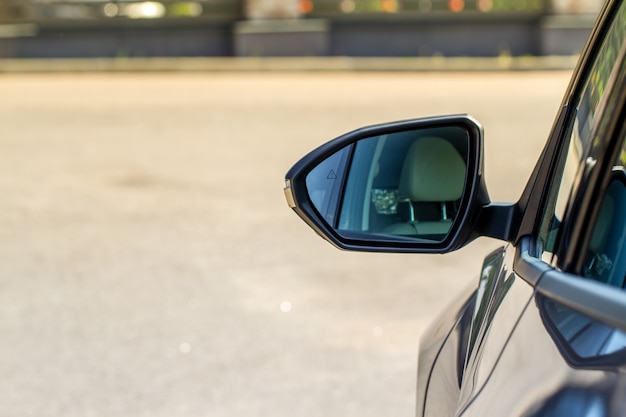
402,185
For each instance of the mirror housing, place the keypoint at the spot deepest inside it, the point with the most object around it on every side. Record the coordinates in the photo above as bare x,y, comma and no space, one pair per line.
412,186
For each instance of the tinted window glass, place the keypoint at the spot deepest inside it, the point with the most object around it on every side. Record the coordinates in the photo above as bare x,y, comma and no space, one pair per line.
605,259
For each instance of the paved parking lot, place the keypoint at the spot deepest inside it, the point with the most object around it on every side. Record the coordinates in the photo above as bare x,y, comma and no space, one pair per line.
149,265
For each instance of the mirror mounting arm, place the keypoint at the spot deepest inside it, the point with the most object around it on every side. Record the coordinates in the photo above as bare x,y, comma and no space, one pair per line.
499,220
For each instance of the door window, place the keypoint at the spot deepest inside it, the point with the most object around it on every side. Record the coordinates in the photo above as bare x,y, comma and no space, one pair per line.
605,259
582,130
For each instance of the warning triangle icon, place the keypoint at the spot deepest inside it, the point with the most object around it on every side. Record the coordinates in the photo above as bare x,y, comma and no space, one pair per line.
331,175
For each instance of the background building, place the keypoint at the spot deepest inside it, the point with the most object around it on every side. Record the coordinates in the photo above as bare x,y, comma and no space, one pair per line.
406,28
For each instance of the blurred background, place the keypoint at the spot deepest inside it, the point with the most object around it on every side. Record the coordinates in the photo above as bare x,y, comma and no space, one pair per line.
149,265
219,28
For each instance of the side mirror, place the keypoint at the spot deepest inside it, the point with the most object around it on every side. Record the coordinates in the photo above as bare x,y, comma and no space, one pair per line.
409,186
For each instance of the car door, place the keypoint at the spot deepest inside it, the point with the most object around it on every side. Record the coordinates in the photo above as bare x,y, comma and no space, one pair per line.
565,355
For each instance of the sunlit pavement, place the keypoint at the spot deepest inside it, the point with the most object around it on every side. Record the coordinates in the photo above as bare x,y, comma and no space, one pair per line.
149,264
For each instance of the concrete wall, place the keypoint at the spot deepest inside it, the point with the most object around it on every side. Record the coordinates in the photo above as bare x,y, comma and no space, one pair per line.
564,35
449,37
142,39
455,36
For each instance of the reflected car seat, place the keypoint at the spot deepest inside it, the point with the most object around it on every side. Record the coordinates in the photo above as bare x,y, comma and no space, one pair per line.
433,172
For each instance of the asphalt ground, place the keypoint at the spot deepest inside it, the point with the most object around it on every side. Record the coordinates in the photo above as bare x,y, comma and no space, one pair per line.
149,265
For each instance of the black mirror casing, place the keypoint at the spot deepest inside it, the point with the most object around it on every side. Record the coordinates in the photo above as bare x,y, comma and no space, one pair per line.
461,230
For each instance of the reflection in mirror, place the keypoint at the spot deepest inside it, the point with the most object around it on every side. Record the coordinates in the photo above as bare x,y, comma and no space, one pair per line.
406,184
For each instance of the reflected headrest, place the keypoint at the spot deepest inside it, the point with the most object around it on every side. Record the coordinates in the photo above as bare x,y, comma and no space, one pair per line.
433,171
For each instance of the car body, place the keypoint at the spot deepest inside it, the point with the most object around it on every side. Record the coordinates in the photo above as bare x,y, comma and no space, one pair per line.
543,330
